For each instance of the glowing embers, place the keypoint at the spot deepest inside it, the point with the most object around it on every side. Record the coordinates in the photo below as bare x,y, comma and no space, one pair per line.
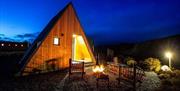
98,69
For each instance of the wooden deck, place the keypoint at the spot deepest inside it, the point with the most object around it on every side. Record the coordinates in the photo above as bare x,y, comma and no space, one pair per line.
89,83
59,81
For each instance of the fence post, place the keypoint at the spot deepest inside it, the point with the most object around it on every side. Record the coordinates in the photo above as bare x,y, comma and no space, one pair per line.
119,75
70,67
83,70
134,79
97,58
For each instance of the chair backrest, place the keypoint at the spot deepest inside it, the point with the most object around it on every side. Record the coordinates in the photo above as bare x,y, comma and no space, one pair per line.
76,66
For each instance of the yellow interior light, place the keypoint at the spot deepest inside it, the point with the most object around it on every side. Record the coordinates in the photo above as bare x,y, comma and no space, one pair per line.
74,35
80,39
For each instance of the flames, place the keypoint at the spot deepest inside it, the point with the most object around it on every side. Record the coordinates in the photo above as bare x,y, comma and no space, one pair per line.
98,69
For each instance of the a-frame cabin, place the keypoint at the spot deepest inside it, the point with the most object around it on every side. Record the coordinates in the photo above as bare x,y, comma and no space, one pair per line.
63,38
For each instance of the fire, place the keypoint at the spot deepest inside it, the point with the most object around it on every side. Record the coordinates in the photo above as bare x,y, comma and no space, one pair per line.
98,68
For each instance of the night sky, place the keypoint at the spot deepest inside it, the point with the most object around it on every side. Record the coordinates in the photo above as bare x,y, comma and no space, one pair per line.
105,21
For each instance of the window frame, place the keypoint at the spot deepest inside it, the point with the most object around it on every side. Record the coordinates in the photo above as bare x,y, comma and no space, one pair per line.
54,41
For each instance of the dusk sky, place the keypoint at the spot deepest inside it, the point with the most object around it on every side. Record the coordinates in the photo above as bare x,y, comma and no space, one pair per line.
104,21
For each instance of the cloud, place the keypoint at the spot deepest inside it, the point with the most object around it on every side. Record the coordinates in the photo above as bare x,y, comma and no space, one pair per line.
27,35
6,39
1,35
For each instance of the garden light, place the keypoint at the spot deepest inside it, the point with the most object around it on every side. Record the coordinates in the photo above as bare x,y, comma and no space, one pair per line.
169,56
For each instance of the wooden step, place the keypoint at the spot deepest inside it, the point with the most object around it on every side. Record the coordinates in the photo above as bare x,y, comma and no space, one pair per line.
88,64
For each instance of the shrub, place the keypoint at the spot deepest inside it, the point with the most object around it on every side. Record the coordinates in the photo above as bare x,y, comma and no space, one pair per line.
164,76
152,64
170,84
166,82
176,73
131,62
158,68
170,80
128,58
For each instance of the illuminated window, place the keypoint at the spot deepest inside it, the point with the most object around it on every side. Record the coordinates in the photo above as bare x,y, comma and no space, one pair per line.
21,45
56,41
15,44
2,44
9,44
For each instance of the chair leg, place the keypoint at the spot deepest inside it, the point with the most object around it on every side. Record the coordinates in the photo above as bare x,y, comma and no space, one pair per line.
97,84
69,76
82,75
108,84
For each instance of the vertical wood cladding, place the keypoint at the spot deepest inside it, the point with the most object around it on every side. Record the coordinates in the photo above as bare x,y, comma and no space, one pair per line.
67,25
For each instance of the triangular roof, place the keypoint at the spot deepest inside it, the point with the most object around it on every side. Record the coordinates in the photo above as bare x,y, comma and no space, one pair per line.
36,44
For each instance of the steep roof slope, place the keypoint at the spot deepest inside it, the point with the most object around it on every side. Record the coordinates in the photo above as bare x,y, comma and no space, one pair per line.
36,44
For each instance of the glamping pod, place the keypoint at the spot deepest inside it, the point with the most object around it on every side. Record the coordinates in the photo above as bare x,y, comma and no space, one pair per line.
63,38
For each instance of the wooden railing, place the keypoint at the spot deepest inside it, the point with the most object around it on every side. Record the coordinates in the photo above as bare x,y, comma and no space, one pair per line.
129,74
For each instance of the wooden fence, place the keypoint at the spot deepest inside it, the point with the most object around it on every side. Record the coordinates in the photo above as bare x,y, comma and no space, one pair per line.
126,73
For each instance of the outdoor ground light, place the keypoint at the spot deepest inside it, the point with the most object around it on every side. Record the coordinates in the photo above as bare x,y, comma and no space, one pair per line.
169,56
165,68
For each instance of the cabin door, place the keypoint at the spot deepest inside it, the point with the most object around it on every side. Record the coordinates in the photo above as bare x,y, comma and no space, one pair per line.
80,50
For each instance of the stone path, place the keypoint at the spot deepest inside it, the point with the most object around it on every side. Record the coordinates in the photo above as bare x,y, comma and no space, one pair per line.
151,82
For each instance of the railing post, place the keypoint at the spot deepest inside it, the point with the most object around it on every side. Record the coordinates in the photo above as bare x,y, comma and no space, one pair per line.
97,58
134,79
82,70
70,61
119,75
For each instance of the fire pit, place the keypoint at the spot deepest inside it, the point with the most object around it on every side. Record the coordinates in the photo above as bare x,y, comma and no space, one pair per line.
98,72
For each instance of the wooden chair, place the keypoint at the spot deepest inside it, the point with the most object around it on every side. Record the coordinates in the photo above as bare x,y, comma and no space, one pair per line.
76,67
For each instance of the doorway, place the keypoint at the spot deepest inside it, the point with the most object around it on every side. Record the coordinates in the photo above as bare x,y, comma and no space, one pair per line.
80,50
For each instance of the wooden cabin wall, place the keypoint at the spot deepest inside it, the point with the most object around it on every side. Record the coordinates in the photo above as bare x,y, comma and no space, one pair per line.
66,26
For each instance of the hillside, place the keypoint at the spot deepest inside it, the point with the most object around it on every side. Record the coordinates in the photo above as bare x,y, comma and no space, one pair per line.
152,48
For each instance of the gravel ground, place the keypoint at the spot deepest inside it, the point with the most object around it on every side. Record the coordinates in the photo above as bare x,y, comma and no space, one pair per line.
41,82
151,82
59,82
